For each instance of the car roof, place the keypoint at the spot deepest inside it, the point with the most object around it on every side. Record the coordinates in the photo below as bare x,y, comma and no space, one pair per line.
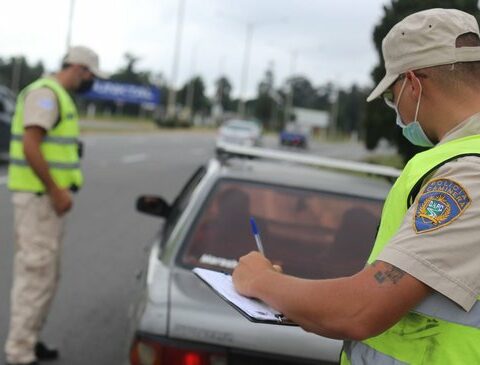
301,176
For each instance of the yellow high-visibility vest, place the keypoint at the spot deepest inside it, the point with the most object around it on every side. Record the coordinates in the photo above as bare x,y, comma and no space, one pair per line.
437,331
59,147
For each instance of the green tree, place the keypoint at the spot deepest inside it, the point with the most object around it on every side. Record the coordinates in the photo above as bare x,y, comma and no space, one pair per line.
199,100
129,74
223,91
306,95
16,72
264,105
379,119
351,110
304,92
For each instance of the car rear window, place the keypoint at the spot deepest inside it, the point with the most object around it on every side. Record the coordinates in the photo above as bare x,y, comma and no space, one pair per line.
311,234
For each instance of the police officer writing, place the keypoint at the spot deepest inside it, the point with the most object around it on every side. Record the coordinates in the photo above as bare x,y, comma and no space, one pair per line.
43,173
416,301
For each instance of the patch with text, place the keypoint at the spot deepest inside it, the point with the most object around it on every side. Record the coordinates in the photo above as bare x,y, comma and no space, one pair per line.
441,202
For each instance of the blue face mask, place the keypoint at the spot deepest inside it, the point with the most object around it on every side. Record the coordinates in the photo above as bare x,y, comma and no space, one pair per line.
415,134
412,131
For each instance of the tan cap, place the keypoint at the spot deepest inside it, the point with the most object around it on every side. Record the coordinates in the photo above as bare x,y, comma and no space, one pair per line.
426,39
84,56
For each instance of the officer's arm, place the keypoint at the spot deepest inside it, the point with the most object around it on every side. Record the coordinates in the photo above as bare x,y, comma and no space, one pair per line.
32,140
356,307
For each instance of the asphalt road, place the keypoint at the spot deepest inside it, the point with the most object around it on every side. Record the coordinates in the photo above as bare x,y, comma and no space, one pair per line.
107,239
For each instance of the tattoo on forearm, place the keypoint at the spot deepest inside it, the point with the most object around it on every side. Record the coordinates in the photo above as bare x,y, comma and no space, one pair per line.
389,274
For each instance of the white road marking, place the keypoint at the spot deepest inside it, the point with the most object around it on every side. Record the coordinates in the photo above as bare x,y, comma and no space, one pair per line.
3,180
134,158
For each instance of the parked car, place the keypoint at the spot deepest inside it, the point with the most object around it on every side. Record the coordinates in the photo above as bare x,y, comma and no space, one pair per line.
315,223
7,108
240,132
294,135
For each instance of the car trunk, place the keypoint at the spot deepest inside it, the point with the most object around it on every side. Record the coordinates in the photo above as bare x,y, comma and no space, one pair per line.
198,314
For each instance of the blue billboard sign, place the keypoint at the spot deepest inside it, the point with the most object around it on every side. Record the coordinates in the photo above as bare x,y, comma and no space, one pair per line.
123,92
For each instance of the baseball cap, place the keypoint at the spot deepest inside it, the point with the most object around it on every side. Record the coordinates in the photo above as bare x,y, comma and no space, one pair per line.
80,55
426,39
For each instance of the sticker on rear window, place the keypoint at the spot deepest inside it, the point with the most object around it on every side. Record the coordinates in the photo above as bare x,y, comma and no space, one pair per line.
218,261
442,201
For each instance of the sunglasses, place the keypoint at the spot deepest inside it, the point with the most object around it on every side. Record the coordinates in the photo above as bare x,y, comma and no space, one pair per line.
388,94
388,98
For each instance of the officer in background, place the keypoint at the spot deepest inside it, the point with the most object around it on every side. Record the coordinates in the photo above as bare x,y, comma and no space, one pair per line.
417,300
43,173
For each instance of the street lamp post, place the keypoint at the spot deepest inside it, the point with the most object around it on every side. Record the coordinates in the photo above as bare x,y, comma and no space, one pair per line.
70,21
246,61
172,94
16,73
191,85
250,26
293,62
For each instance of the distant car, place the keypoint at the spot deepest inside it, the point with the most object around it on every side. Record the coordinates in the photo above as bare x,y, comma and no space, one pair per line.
294,135
315,223
7,108
240,132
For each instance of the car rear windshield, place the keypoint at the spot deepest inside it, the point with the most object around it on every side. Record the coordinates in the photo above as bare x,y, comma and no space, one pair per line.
311,234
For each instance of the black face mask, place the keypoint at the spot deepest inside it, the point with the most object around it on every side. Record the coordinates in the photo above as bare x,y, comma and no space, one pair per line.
85,86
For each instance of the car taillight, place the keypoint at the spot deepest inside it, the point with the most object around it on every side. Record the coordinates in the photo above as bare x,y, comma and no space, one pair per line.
147,352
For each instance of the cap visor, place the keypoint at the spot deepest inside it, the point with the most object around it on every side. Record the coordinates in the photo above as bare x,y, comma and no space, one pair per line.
382,86
100,74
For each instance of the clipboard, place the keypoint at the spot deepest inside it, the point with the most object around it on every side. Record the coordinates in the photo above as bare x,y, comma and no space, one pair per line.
252,309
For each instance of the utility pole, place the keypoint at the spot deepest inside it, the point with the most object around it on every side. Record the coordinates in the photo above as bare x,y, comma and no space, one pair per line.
172,93
293,62
249,27
16,73
246,61
70,21
334,115
191,85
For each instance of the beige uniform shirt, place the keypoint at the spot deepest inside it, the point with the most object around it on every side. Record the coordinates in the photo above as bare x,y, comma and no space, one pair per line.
40,108
446,258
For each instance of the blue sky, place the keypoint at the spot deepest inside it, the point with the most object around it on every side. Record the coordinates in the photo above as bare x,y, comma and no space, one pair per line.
333,39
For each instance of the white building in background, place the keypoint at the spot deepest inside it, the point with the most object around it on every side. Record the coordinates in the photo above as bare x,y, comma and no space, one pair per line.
315,120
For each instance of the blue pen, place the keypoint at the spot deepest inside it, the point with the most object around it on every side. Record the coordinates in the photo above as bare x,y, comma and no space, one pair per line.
256,234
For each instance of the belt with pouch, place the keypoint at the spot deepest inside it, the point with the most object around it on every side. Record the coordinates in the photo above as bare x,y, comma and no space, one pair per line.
72,188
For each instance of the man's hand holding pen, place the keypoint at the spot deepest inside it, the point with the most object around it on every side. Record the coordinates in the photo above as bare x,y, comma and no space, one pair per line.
252,266
250,269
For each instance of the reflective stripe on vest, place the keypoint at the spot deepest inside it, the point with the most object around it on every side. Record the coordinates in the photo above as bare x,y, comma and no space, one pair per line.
437,331
439,306
52,165
49,139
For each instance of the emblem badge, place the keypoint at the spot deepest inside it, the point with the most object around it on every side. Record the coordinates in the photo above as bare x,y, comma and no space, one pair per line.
441,202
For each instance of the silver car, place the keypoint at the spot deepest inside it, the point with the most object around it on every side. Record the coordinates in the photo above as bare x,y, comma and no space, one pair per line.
315,223
240,132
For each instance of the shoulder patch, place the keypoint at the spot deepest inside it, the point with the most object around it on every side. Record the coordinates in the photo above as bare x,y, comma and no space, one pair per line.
46,104
442,201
